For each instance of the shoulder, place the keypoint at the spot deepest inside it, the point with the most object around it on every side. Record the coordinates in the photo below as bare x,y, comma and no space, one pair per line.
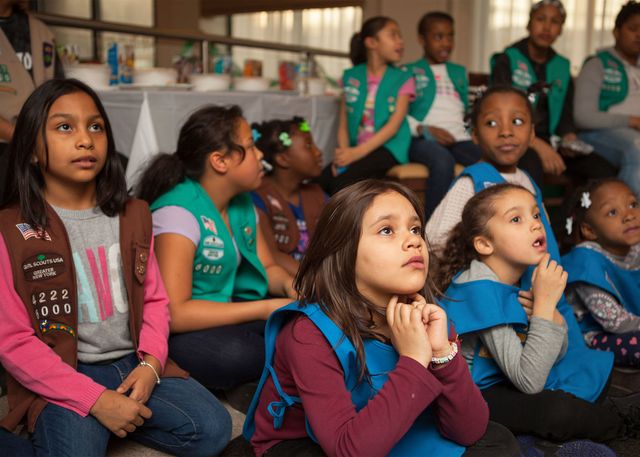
300,334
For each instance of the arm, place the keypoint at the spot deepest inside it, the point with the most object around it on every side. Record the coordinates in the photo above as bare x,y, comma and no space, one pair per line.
175,254
606,310
6,129
288,263
343,128
528,366
585,102
280,282
552,162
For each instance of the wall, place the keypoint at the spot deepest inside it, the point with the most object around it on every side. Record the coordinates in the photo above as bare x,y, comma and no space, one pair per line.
179,15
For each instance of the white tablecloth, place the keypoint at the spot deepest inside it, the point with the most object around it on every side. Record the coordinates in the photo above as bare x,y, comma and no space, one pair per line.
146,123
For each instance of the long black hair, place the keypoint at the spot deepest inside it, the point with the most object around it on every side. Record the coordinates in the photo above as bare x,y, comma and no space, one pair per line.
370,28
25,181
211,128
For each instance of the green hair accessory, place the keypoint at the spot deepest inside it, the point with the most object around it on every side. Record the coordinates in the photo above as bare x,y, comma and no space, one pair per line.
285,139
304,127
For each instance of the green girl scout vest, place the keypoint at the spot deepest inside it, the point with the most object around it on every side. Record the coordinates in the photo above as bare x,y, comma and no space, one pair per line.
354,81
558,74
216,273
615,85
426,86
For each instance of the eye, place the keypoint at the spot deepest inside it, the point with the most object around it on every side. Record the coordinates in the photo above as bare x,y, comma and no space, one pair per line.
536,215
416,230
491,123
515,219
518,121
63,128
633,204
612,213
97,127
385,231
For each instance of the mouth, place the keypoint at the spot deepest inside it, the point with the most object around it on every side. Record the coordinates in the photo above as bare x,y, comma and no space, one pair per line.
632,230
416,262
85,161
540,243
506,148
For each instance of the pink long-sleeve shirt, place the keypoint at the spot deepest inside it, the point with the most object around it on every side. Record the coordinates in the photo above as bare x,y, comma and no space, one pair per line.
34,364
307,367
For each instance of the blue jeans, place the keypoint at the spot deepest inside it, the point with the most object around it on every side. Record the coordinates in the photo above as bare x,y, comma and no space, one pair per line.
621,147
187,420
440,160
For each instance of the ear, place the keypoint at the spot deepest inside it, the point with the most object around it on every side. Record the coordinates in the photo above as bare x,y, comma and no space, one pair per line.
218,162
370,42
421,40
474,136
282,160
586,231
616,34
483,245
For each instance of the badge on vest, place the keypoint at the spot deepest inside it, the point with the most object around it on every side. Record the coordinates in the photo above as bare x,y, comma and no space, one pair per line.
28,232
50,303
208,269
351,94
212,253
209,224
47,54
43,266
521,76
5,76
249,237
274,202
46,326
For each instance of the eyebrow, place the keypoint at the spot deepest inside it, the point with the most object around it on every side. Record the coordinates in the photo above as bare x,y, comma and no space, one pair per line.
71,116
391,216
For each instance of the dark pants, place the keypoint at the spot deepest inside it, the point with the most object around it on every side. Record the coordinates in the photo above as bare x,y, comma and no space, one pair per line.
441,161
221,357
584,168
552,414
496,442
373,165
625,347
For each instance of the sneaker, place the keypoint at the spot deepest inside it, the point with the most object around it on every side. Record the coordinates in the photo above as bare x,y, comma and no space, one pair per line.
537,447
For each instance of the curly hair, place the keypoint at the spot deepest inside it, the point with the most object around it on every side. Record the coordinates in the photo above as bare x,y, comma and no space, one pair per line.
270,142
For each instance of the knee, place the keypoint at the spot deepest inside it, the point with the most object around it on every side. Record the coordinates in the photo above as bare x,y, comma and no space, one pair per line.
211,433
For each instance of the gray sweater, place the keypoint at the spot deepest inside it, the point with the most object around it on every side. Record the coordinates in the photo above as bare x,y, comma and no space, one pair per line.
526,365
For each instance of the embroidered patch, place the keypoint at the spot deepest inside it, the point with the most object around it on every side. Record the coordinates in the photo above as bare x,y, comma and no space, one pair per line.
274,202
5,76
213,241
28,232
212,253
51,302
47,54
209,224
43,266
46,327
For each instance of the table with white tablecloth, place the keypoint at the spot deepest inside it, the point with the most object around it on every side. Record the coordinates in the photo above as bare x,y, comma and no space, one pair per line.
146,123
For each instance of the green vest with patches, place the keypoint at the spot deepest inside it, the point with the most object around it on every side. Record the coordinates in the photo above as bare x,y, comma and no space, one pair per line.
216,273
354,81
615,84
558,75
426,86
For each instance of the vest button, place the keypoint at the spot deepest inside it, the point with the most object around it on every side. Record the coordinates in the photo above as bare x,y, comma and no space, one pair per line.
143,257
141,269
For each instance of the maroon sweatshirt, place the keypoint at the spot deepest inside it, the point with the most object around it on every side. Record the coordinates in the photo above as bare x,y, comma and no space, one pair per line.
307,367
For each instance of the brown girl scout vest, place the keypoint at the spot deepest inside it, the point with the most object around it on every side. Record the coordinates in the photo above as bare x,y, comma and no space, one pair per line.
44,277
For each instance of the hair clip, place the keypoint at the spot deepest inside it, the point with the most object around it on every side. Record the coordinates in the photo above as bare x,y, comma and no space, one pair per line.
266,166
585,200
304,127
256,135
285,139
569,225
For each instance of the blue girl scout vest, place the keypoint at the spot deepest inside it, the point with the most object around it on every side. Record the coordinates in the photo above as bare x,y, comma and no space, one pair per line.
558,74
615,85
422,439
592,267
354,81
216,274
600,363
426,86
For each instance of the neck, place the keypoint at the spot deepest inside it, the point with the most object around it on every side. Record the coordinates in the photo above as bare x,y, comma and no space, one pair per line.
502,168
375,65
430,60
506,273
619,250
75,197
629,58
287,183
219,190
536,53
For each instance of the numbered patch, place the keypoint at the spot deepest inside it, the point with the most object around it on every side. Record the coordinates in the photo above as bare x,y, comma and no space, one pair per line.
51,303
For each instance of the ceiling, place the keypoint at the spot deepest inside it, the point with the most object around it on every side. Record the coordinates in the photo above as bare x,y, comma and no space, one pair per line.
218,7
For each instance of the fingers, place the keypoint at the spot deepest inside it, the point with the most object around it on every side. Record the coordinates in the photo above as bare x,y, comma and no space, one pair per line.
145,412
137,393
120,433
126,385
391,310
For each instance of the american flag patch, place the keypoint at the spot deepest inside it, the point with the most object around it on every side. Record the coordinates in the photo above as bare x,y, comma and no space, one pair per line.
209,224
28,232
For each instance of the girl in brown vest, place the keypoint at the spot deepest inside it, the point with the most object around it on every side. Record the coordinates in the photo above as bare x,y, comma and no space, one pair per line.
85,322
289,205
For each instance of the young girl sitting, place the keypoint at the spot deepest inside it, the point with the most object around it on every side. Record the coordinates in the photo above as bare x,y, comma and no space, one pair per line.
215,263
373,134
515,340
85,315
289,206
364,364
604,268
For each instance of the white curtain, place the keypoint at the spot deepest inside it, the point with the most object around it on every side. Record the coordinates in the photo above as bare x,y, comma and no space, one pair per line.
498,23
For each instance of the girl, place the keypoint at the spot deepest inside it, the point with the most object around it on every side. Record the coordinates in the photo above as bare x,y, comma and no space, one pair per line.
364,357
217,267
532,65
604,268
373,134
289,206
85,315
516,341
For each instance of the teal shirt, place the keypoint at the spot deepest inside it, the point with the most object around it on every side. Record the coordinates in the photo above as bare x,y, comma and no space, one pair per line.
216,273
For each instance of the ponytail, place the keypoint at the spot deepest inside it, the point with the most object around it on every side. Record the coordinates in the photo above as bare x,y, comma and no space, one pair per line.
357,50
370,28
164,173
459,254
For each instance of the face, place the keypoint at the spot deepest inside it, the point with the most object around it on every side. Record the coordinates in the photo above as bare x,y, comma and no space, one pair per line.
76,140
516,233
246,173
304,157
438,41
387,43
628,37
503,130
614,218
545,26
392,255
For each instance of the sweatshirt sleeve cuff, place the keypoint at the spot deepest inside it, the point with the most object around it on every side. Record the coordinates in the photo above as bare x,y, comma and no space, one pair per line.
423,375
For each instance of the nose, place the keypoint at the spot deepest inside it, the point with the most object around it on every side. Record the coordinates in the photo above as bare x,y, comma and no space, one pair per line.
414,240
506,128
630,214
536,224
259,154
84,139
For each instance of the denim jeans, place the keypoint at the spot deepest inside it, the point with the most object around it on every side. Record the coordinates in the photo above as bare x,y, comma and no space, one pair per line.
187,420
441,160
621,147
